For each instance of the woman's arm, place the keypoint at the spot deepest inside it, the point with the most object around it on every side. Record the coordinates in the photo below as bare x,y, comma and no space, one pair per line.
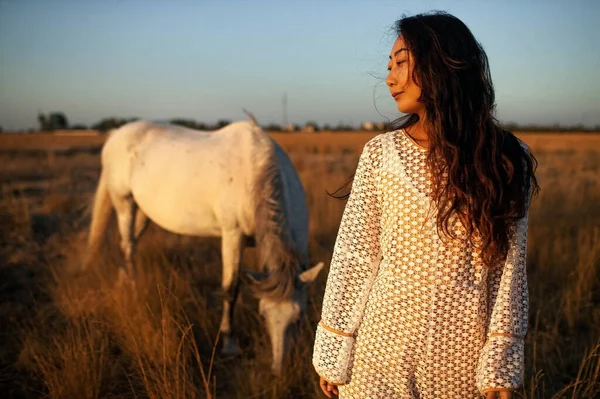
352,271
501,361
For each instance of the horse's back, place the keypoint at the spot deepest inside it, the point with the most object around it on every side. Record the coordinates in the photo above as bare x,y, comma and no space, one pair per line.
188,181
135,138
198,182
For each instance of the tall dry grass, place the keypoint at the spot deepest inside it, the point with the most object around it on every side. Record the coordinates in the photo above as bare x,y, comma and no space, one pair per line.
98,338
83,336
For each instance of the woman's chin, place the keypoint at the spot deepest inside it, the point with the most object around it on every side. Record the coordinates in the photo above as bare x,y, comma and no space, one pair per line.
407,109
403,110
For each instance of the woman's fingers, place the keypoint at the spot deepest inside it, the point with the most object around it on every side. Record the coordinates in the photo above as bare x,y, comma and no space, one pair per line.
334,389
328,388
325,387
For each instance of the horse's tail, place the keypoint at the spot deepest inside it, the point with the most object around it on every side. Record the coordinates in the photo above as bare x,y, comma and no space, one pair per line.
101,212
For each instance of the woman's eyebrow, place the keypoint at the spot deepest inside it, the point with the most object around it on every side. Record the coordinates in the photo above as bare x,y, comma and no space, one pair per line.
398,52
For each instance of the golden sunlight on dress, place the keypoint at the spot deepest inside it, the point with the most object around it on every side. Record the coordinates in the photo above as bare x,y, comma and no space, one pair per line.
407,314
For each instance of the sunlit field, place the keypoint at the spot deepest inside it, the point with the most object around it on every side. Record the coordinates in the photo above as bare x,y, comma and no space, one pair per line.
66,335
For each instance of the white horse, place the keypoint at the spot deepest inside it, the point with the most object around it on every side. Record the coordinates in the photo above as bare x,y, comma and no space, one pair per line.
235,183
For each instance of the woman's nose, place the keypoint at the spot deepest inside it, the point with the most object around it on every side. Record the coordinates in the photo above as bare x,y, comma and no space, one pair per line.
390,81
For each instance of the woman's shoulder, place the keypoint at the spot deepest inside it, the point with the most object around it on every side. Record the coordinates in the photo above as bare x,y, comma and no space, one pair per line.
377,142
373,149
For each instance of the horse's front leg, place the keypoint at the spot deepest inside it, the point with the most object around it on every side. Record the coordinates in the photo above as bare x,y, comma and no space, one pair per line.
231,252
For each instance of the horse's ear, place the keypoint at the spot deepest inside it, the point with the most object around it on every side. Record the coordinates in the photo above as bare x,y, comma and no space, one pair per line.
254,276
251,115
308,276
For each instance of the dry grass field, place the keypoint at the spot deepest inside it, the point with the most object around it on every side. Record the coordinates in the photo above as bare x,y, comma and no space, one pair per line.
65,335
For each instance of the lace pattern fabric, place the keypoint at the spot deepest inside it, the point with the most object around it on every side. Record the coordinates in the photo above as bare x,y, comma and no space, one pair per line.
405,313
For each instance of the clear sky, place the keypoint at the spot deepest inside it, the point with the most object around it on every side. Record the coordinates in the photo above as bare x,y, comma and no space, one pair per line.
206,60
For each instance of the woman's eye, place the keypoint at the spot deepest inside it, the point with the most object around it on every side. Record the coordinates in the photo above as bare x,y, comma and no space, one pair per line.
398,63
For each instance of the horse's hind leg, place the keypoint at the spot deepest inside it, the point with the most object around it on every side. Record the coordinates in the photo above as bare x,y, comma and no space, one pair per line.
231,250
126,217
141,222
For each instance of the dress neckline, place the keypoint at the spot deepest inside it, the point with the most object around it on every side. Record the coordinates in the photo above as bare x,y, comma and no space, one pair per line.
419,146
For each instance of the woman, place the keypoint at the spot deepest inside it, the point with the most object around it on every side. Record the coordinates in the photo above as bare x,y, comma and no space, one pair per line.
427,291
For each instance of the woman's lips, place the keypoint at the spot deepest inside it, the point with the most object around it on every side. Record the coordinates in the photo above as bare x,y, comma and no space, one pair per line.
395,95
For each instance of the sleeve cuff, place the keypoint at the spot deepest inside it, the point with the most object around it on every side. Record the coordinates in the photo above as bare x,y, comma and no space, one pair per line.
501,364
332,354
486,390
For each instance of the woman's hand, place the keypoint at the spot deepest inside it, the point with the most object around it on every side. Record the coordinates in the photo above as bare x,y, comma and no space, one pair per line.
328,388
502,395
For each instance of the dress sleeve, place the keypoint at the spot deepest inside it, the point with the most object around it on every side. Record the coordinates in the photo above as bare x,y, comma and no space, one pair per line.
352,271
501,361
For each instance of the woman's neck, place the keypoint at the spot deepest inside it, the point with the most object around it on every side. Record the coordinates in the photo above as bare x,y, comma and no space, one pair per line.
419,133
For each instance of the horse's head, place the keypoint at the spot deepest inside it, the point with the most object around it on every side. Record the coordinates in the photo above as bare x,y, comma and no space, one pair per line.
283,312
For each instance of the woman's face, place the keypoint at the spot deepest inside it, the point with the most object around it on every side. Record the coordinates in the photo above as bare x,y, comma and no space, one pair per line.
400,82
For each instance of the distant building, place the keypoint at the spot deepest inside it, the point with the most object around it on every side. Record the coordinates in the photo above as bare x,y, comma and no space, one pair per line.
371,126
288,128
367,126
310,127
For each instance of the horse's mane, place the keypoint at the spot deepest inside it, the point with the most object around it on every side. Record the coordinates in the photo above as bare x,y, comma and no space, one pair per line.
276,252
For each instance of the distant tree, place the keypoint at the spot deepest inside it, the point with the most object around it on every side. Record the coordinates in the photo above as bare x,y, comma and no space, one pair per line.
222,123
54,121
42,120
342,127
578,128
107,124
58,120
79,126
553,128
192,124
273,127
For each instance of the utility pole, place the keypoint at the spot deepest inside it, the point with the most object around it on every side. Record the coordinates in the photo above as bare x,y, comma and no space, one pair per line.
285,116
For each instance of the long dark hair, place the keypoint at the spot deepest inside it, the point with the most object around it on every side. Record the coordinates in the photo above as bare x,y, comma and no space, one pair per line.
480,172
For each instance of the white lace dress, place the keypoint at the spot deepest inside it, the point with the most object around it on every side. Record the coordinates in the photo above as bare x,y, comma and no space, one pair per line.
406,314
